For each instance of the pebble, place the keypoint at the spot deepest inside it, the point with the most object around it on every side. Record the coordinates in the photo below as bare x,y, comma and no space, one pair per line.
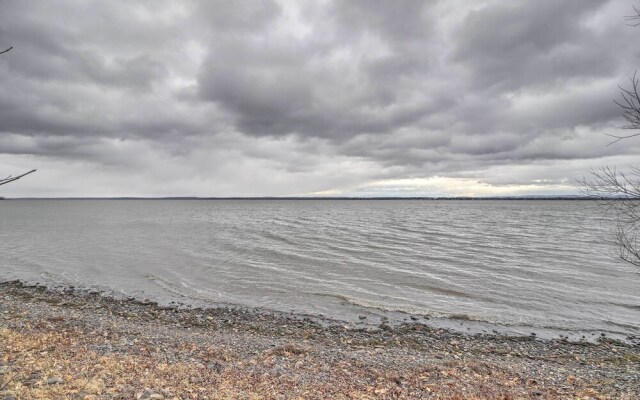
148,394
53,381
561,365
216,366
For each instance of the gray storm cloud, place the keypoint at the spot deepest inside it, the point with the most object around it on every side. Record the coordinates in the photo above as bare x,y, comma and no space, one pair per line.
234,98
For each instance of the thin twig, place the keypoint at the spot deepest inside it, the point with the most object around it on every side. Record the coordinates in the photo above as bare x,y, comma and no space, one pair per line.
87,382
9,381
619,194
635,19
11,179
630,105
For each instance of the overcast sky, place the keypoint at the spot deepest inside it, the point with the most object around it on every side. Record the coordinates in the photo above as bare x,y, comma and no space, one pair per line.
283,98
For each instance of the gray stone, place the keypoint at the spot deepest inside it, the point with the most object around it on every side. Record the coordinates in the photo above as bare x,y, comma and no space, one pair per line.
53,381
216,366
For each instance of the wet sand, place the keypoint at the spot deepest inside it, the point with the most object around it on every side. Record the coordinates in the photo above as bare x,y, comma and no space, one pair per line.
66,344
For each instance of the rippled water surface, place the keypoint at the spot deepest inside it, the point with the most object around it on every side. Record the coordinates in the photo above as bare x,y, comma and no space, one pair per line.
533,264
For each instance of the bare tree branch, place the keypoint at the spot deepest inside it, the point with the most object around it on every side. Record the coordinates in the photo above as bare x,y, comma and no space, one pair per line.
619,192
630,105
634,19
619,195
14,178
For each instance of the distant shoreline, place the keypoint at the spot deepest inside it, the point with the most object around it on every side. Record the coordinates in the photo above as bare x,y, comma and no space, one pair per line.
529,198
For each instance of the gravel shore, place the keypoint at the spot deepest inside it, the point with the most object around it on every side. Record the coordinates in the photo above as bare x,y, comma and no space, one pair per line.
66,344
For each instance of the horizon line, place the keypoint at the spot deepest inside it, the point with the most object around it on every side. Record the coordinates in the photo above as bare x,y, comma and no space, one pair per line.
522,197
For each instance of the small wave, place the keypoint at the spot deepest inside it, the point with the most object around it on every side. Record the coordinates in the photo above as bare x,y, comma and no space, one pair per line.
370,304
408,310
635,307
170,287
439,290
626,326
464,317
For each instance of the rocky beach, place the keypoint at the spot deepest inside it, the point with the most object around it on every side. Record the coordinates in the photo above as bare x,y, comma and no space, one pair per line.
67,344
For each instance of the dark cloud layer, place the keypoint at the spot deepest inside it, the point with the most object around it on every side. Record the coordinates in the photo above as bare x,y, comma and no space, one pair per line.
294,98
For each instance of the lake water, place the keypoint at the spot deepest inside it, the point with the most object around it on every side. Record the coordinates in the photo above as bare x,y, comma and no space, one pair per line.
521,266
